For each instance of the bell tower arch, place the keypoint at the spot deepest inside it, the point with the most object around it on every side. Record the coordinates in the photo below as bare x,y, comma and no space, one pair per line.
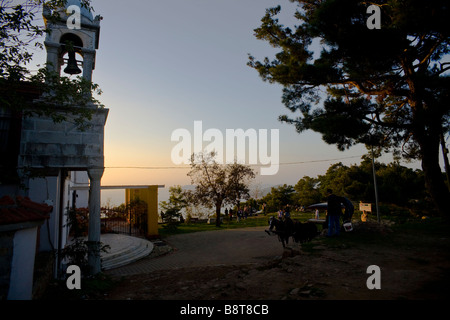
71,49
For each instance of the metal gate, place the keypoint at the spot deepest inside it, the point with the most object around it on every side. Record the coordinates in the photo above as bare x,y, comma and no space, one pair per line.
130,220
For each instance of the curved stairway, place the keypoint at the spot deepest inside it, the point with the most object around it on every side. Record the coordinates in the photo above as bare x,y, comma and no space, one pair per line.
123,250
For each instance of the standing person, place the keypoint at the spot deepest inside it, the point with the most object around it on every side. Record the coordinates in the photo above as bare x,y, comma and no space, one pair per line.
280,214
287,212
334,213
349,210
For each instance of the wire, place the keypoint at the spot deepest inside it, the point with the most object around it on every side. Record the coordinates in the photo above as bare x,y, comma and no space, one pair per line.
252,165
149,168
323,160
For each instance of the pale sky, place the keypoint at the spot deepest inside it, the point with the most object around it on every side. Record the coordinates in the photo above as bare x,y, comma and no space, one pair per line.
164,64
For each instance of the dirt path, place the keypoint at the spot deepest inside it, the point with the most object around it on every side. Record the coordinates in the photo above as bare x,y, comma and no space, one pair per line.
210,248
413,266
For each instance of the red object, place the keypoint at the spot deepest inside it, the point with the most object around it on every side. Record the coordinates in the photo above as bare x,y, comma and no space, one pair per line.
22,210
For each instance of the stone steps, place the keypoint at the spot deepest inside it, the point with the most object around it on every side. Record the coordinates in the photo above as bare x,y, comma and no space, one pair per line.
124,250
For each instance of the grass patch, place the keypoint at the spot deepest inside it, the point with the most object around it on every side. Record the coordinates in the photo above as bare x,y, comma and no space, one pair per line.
413,233
254,221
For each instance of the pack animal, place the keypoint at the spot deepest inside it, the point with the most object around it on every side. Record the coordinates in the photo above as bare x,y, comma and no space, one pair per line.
287,228
304,232
283,229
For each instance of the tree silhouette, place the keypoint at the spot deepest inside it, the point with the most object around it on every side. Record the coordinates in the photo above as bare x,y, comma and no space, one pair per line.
218,184
387,88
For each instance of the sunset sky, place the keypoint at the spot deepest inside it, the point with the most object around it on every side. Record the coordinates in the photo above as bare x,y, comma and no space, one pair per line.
164,64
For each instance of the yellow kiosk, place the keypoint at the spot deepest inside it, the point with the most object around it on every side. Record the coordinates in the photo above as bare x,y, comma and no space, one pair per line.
149,194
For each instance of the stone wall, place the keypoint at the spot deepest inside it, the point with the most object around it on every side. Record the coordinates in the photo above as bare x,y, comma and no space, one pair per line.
46,144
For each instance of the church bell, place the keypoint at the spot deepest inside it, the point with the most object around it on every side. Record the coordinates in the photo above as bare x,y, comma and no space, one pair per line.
72,66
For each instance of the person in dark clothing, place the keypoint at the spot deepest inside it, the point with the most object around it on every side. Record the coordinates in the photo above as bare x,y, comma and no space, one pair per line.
349,210
334,212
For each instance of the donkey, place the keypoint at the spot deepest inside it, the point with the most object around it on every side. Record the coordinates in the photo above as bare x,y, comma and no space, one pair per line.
284,229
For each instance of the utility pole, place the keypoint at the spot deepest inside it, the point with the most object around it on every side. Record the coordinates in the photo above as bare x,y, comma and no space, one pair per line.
375,186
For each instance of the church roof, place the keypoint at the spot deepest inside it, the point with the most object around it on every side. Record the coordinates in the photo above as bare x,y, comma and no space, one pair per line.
22,210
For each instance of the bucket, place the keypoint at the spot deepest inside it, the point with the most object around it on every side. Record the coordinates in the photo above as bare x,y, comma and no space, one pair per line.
348,226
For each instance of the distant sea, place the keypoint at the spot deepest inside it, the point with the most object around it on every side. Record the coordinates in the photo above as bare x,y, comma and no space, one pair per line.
116,197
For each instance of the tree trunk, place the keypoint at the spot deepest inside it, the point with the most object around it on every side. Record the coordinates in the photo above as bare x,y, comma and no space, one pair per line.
446,163
426,130
434,180
218,206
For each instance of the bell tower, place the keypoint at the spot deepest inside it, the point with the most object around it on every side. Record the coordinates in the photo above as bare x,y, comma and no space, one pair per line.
60,148
73,39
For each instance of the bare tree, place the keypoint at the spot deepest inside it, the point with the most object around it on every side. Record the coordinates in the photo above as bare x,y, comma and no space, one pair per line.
218,184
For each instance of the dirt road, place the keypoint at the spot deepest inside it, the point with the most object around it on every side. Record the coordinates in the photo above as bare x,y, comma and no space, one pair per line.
210,248
247,264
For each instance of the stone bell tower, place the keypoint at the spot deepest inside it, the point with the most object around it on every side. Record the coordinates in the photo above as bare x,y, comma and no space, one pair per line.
61,149
73,39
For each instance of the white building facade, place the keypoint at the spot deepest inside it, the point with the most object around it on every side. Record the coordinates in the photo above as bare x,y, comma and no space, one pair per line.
67,156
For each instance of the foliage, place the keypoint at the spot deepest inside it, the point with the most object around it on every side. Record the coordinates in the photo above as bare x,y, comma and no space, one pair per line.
137,210
254,221
172,208
279,197
399,188
78,222
76,252
19,33
306,191
60,97
396,184
177,199
239,177
216,184
385,88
